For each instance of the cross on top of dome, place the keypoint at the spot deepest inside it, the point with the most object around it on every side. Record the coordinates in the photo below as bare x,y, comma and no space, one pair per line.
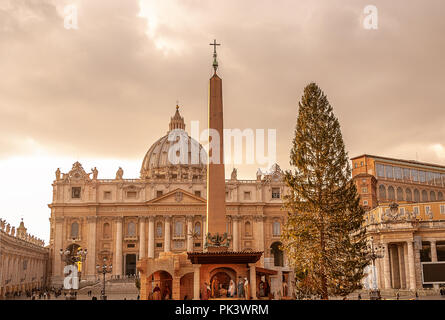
177,122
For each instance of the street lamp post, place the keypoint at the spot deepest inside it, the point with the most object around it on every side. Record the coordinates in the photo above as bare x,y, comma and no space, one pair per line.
71,258
104,269
374,254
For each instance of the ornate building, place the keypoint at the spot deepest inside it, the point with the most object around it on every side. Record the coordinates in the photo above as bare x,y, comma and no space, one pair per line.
383,180
124,220
405,217
23,260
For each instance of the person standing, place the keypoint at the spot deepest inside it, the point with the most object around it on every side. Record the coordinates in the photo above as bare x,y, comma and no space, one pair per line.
231,288
240,288
246,289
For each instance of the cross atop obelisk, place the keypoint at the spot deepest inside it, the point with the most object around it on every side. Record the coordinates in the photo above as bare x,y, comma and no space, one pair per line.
215,62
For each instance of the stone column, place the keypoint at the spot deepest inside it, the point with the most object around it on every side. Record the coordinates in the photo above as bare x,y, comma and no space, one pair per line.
252,270
117,266
386,266
259,235
141,237
58,244
434,257
189,234
412,271
196,281
402,263
91,246
167,237
204,232
151,237
235,235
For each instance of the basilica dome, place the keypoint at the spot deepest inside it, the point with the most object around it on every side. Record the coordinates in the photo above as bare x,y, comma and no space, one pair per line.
175,156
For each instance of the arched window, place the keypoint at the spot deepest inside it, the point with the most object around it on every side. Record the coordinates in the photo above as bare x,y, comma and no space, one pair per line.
74,230
159,229
424,195
416,195
382,192
391,193
409,195
131,229
399,194
440,196
248,228
198,228
277,254
276,230
107,230
178,228
432,196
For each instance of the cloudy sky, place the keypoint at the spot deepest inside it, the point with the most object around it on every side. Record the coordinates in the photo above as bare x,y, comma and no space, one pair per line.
104,92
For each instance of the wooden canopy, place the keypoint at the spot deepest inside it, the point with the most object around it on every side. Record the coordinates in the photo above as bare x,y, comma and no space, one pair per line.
224,257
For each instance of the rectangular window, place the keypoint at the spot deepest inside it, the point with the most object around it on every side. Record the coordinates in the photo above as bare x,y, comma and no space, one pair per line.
131,194
443,179
389,172
75,192
198,193
430,177
130,245
442,209
159,193
107,195
406,174
227,194
402,211
158,244
380,170
275,193
365,202
398,173
437,179
197,244
422,176
427,209
246,195
364,190
178,228
414,175
416,211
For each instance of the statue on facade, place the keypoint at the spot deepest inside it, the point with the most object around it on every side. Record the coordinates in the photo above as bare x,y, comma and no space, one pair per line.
13,231
119,174
234,174
58,174
8,228
95,172
259,174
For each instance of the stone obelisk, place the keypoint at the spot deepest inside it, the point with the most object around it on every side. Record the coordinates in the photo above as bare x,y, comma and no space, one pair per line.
216,190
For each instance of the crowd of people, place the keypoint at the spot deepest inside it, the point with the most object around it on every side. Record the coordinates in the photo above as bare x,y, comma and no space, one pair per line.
240,290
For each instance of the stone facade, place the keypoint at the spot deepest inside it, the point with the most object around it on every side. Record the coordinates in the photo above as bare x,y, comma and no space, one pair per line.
125,220
23,260
382,180
407,234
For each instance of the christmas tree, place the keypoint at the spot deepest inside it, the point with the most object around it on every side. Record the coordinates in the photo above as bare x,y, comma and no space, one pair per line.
324,236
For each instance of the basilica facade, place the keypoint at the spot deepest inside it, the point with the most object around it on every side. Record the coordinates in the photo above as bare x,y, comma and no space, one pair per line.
163,211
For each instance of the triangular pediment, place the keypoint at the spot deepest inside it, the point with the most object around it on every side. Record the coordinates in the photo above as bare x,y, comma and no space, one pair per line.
178,196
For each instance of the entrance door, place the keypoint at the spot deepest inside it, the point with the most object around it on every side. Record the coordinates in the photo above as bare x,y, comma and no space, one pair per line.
130,264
